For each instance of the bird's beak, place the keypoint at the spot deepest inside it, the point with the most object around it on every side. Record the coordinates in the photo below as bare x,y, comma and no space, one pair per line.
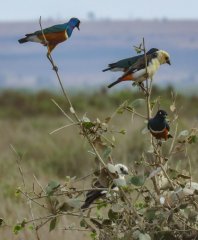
168,62
126,173
78,26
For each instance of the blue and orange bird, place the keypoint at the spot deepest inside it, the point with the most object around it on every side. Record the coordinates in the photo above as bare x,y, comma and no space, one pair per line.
159,127
138,71
54,34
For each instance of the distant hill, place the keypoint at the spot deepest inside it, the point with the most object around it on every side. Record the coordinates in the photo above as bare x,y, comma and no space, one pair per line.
82,57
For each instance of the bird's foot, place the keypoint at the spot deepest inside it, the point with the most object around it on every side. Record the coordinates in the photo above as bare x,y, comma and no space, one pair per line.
55,68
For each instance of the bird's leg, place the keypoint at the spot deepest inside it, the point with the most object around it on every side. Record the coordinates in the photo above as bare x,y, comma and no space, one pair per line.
141,85
159,143
55,68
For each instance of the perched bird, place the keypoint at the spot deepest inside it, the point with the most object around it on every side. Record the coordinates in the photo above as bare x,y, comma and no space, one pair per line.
137,72
105,180
158,126
124,64
54,35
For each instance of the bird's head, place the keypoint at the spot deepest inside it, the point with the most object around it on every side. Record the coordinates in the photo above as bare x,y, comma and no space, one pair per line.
75,22
163,57
152,50
161,114
121,169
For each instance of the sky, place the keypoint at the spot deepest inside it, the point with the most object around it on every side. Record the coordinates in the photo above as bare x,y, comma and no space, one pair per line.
17,10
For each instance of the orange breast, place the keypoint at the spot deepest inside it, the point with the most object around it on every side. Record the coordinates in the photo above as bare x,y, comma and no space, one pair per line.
54,38
161,135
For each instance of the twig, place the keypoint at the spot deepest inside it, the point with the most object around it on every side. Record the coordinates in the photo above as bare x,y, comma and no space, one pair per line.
174,138
31,211
57,74
18,159
136,113
60,128
64,113
39,183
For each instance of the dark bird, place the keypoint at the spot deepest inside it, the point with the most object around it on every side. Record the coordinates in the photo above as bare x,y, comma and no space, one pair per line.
124,64
138,73
159,127
105,180
54,35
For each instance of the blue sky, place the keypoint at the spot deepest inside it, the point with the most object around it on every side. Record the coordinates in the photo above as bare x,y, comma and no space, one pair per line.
12,10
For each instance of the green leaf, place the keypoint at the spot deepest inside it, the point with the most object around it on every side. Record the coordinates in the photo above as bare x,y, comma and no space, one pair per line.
18,192
113,216
101,204
150,214
51,187
17,228
138,180
107,152
192,139
74,203
93,235
52,224
83,223
138,102
86,122
138,49
88,125
31,227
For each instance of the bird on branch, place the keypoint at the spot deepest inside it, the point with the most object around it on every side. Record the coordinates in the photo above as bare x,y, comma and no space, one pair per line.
139,71
107,178
53,35
159,127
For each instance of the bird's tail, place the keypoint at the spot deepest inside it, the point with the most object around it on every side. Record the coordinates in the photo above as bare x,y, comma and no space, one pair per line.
106,69
91,197
23,40
116,82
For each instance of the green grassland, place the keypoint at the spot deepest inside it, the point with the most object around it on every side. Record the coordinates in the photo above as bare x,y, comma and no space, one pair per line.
26,120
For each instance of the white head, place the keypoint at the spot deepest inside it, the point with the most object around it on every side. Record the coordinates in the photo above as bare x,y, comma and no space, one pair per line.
121,169
163,57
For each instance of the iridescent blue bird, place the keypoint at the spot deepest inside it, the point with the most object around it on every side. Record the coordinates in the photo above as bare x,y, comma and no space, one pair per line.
54,35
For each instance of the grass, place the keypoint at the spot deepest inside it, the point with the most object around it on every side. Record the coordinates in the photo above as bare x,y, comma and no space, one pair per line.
26,121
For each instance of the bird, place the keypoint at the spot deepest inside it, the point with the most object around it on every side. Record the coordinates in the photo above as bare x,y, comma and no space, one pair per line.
158,126
105,179
138,71
54,34
124,64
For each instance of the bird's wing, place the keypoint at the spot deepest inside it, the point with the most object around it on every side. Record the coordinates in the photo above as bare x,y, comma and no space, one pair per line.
167,126
139,65
52,29
125,63
128,62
